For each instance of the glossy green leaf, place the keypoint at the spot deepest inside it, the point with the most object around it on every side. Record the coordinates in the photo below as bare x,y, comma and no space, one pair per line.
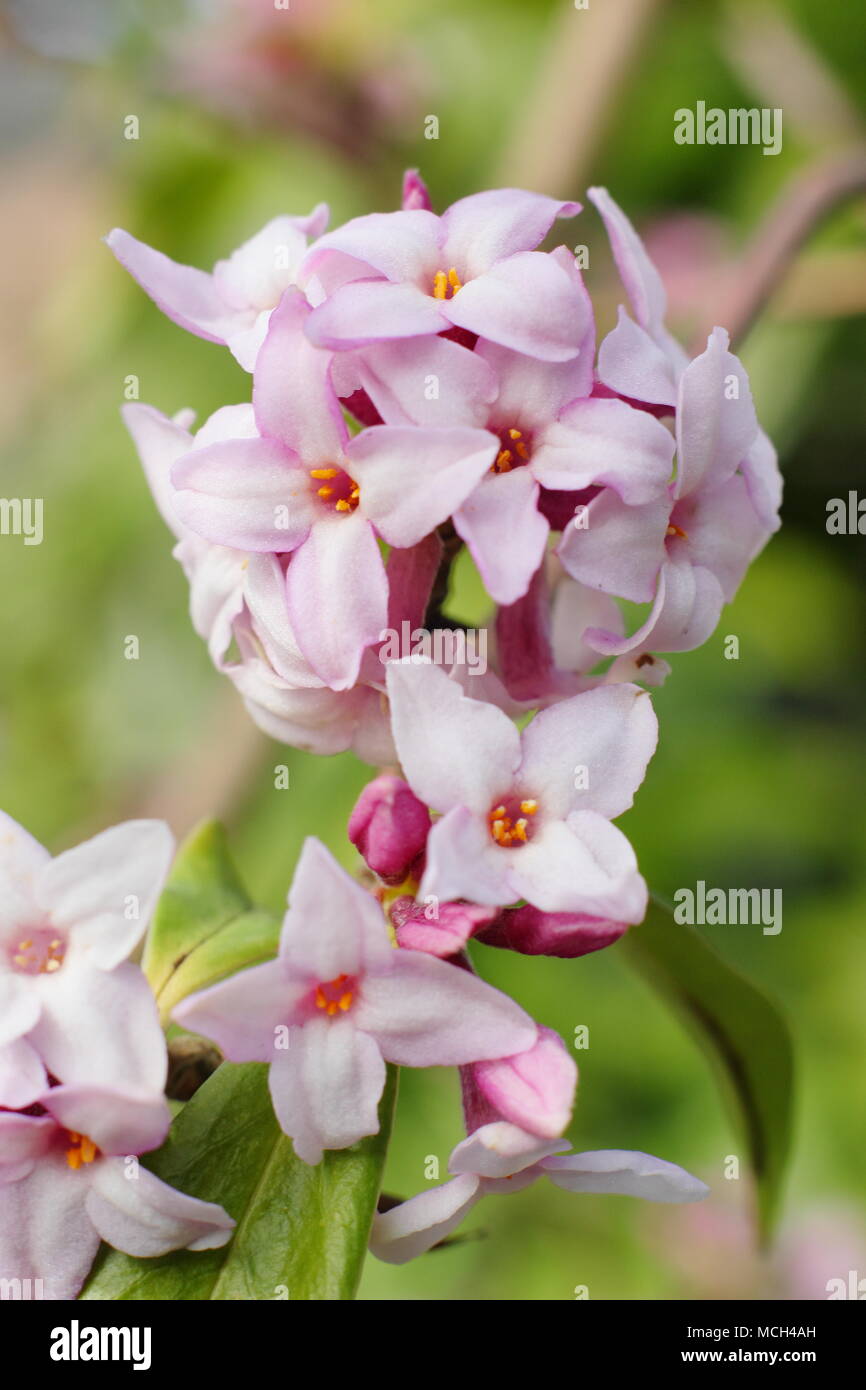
301,1232
205,926
741,1030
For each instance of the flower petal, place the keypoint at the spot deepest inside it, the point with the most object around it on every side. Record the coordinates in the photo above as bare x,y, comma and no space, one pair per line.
505,532
424,1012
293,397
45,1232
528,303
105,890
135,1211
428,381
249,494
417,1225
598,441
626,1173
589,753
337,596
716,420
188,296
633,364
412,479
22,1075
241,1014
454,750
586,866
500,1149
326,1086
333,925
486,227
370,311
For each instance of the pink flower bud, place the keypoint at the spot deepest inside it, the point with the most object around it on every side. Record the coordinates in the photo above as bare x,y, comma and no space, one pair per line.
389,827
565,934
440,929
534,1089
415,194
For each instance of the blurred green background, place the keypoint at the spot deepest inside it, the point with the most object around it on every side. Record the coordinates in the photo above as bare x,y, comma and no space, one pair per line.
246,111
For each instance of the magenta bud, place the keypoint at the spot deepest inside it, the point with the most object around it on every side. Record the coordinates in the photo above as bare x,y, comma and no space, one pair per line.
440,929
535,933
533,1090
389,827
415,193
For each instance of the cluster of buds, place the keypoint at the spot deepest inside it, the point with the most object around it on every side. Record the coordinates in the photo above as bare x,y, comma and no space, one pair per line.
418,383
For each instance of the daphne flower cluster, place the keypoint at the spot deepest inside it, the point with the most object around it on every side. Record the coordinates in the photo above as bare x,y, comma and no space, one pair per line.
418,384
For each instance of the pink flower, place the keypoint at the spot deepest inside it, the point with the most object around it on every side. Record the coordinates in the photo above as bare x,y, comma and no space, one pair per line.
340,1001
389,827
526,816
232,304
687,551
441,929
563,934
302,485
68,1179
70,1001
411,274
552,434
499,1158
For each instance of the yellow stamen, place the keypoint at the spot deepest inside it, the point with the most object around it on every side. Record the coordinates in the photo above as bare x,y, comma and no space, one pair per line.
454,280
342,505
515,434
520,828
440,285
677,531
500,811
324,472
324,491
522,450
529,808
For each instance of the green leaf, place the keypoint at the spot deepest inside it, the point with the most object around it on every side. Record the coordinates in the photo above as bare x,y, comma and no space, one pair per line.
302,1232
205,926
743,1032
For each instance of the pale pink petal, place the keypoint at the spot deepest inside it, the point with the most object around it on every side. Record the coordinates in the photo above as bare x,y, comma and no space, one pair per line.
412,479
326,1086
632,363
398,245
463,861
293,397
428,381
23,1139
243,1014
586,866
135,1211
626,1173
424,1012
532,392
45,1232
160,442
642,282
716,421
764,481
188,296
333,925
616,548
369,311
337,596
100,1026
19,1004
415,1226
505,532
22,1075
589,753
105,890
724,531
454,750
485,227
500,1149
249,494
597,441
118,1121
528,303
